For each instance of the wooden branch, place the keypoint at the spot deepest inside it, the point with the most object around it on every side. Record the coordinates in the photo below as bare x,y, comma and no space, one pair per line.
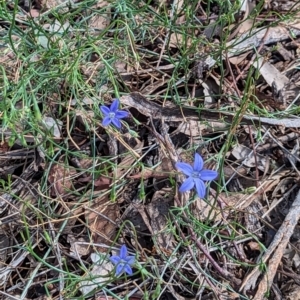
274,253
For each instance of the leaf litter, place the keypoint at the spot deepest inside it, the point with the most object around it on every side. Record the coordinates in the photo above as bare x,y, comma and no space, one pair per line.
217,80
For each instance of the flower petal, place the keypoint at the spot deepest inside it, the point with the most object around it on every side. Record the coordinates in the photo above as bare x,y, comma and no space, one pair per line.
115,105
106,121
120,114
198,163
105,110
116,122
120,269
128,269
123,252
187,185
208,175
200,188
115,259
184,168
130,260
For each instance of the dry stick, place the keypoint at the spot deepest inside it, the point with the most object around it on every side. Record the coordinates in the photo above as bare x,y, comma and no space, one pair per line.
68,125
56,249
255,157
232,75
155,111
280,242
281,239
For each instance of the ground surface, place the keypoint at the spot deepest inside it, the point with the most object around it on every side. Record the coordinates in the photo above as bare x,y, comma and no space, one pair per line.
216,78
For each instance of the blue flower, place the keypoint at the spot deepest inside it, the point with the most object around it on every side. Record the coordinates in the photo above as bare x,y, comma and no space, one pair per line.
196,176
112,114
123,262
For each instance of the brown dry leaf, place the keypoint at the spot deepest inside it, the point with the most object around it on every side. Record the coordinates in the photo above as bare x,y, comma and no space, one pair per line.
86,163
4,147
51,4
294,23
6,271
265,186
286,6
102,267
233,198
258,36
165,169
121,66
236,60
100,22
53,125
91,69
34,13
56,29
101,183
5,242
60,179
158,211
294,293
85,117
9,60
292,256
129,159
154,84
274,180
101,217
271,74
254,246
246,155
78,249
149,173
153,217
178,39
206,211
282,187
286,55
245,26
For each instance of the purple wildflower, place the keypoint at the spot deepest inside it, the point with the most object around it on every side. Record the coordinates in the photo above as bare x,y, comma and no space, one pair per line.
196,176
123,262
112,114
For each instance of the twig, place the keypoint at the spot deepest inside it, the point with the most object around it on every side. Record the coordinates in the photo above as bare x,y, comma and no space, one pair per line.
156,111
68,125
280,242
255,157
